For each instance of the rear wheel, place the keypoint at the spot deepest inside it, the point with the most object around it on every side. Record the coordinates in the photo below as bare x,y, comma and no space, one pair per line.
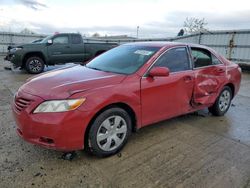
109,132
34,65
222,103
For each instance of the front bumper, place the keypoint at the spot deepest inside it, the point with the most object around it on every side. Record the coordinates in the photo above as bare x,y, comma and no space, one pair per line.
8,57
14,58
60,131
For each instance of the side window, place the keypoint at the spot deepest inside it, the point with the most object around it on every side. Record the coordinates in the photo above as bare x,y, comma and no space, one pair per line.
215,60
76,39
175,59
61,40
201,57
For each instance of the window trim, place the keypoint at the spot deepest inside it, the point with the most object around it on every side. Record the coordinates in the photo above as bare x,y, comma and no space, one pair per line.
197,68
189,59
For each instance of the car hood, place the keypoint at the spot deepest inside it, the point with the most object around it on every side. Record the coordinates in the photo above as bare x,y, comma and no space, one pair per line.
33,45
62,83
11,49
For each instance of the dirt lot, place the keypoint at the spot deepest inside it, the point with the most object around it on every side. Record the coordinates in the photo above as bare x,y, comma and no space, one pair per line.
195,150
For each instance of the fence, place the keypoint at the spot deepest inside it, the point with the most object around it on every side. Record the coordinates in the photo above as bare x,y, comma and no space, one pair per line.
8,39
235,45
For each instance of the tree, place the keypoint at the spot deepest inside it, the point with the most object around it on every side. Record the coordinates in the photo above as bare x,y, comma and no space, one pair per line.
195,25
96,35
181,33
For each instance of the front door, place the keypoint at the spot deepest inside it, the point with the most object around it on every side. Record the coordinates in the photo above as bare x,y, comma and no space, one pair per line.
209,76
166,97
60,51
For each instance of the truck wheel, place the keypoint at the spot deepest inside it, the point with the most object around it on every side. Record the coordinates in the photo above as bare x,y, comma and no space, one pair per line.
222,103
109,132
34,65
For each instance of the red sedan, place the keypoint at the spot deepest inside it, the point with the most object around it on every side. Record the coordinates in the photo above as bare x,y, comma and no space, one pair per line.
97,106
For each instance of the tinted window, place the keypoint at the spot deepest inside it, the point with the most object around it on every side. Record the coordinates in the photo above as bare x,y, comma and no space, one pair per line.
125,59
201,57
61,40
76,39
175,59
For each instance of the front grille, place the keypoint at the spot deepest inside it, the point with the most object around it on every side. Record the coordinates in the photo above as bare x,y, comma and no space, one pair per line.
21,103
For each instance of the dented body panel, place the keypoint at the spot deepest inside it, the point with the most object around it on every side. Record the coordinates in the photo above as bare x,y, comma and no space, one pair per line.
208,82
148,99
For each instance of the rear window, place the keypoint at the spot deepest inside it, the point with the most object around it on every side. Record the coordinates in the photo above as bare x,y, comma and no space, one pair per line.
76,39
201,57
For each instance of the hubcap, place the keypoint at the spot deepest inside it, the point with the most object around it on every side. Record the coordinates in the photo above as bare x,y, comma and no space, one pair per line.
111,133
224,100
35,65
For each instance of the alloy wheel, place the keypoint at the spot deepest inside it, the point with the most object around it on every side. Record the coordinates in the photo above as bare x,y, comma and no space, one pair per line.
224,100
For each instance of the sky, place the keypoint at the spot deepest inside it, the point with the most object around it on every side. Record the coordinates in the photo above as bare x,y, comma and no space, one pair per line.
155,18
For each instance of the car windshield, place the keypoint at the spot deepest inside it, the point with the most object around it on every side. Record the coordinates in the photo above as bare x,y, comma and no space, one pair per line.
125,59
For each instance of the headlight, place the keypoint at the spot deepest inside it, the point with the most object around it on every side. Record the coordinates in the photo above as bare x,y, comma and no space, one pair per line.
59,105
19,48
16,49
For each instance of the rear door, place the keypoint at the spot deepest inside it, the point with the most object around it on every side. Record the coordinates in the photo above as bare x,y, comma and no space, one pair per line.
210,76
165,97
59,51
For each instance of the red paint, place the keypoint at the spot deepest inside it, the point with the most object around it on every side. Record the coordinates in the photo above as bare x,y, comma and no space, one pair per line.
152,98
159,71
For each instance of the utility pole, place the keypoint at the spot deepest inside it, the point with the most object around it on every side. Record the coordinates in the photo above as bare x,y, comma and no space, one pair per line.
137,32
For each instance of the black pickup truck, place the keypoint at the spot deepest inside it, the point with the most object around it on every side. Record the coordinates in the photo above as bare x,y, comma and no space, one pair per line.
56,49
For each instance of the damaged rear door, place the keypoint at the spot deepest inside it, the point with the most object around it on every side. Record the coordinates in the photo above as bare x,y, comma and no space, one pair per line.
210,76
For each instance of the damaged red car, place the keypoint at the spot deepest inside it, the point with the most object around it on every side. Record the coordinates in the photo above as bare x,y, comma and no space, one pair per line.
96,106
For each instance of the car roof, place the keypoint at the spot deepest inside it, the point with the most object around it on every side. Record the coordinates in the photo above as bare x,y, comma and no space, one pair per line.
166,44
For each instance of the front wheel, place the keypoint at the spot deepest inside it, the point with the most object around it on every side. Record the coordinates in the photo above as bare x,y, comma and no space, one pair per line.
34,65
222,103
109,132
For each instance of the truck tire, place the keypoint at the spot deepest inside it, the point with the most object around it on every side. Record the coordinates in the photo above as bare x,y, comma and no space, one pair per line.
109,132
34,65
222,103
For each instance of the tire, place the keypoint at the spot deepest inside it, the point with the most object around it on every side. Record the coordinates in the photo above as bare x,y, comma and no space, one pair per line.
34,65
222,103
107,137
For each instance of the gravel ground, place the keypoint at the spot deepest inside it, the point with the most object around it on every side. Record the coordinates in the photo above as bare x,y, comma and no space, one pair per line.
195,150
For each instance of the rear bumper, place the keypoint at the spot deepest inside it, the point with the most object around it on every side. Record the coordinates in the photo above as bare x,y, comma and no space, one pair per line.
60,131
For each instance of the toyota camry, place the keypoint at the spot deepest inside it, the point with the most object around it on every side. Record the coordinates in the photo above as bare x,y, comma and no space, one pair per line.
98,105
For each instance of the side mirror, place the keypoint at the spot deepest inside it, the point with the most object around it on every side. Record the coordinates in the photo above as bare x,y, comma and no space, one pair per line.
159,72
49,42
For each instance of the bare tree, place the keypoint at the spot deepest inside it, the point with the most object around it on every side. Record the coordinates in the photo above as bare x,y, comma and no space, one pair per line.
195,25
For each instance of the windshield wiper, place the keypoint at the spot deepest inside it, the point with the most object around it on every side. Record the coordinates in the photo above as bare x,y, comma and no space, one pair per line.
93,68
